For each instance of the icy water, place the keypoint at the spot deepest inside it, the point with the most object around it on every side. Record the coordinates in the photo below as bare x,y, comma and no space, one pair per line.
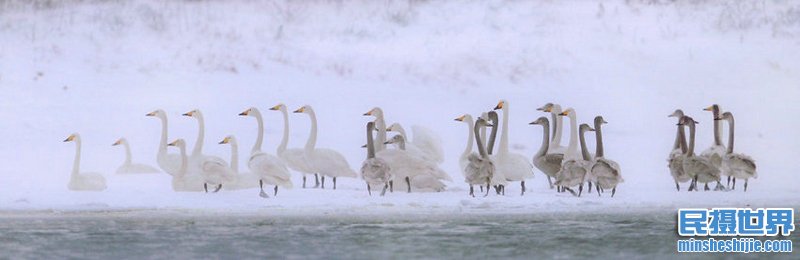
219,235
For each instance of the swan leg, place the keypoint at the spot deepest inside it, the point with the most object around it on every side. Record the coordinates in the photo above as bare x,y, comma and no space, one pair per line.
677,186
472,191
590,186
316,179
719,187
304,181
503,189
391,186
598,189
205,187
276,191
570,191
334,183
323,182
369,191
383,192
218,188
729,180
550,181
261,185
408,181
481,188
745,184
613,191
488,184
734,184
523,188
580,189
706,187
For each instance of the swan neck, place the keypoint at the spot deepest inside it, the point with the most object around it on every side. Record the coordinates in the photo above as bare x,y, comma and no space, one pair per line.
730,135
470,137
162,146
599,139
370,143
573,133
381,125
677,143
312,137
479,142
76,164
260,136
558,125
682,138
127,153
717,129
584,150
492,137
184,162
285,139
401,131
504,136
545,140
691,139
198,144
234,156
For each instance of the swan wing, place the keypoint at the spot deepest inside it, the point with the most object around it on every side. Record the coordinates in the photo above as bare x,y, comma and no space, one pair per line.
714,154
514,167
296,160
739,166
331,163
375,171
429,142
270,168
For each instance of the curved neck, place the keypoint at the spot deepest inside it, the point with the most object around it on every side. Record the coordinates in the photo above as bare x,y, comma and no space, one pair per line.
598,133
312,137
400,130
677,143
558,125
545,140
481,149
483,136
162,146
260,136
234,155
471,136
198,144
76,164
381,125
717,129
504,136
573,133
127,152
682,139
584,150
285,139
184,162
690,152
370,143
730,135
492,136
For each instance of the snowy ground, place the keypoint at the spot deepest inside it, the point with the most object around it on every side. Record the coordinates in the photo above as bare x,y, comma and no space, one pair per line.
97,68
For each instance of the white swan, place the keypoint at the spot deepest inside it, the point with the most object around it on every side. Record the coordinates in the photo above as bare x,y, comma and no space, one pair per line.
182,181
380,125
736,165
480,168
606,173
242,180
676,156
426,141
294,157
700,168
375,172
325,161
214,170
574,172
513,166
572,152
264,168
128,166
557,126
169,163
412,168
83,181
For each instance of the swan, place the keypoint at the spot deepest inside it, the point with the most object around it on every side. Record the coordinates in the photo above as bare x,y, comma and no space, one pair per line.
375,171
83,181
426,141
498,179
169,163
463,159
324,161
294,157
412,168
700,168
558,127
181,180
243,180
513,166
736,165
717,150
128,166
214,170
548,163
605,173
480,168
380,125
264,168
676,156
574,171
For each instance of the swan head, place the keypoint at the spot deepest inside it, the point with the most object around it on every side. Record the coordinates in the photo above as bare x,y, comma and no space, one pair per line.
686,120
585,127
725,116
395,140
713,108
119,141
194,113
393,127
492,116
500,104
375,111
598,120
228,139
540,121
464,118
157,113
304,109
279,106
178,143
546,108
567,112
482,122
250,112
72,137
678,113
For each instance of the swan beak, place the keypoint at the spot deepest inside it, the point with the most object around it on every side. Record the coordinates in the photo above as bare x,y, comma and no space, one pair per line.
225,140
300,110
489,125
564,113
717,118
245,113
605,122
118,142
591,129
276,107
387,142
190,113
70,138
173,143
368,113
499,105
708,108
534,123
389,129
364,146
151,114
460,118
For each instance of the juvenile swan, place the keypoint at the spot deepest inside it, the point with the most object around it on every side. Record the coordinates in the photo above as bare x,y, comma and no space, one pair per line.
574,171
480,168
736,165
700,168
83,181
374,171
678,153
128,166
606,173
548,163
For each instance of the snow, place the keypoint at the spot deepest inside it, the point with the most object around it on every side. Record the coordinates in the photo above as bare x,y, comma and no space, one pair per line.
98,67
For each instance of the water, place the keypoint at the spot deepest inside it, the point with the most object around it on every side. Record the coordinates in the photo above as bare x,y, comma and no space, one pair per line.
217,235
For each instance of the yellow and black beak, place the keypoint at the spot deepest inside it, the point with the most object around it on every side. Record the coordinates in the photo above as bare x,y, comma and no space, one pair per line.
225,140
276,107
499,105
460,118
369,113
118,142
70,138
190,113
300,110
173,143
246,112
710,108
565,113
151,114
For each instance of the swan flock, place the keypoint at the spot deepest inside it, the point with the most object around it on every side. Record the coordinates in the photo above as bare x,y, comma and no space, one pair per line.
411,161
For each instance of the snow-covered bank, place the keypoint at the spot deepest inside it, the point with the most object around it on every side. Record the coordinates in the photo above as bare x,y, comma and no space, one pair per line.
97,68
